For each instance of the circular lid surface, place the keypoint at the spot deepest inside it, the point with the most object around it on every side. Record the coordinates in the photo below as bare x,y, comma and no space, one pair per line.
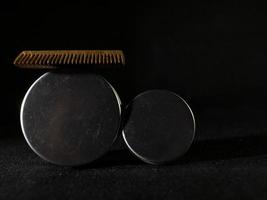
159,126
70,119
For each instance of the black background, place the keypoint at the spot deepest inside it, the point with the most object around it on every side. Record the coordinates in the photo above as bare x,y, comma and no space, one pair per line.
212,54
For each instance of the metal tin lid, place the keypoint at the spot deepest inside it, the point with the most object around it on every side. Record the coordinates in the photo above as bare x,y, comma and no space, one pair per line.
159,126
70,119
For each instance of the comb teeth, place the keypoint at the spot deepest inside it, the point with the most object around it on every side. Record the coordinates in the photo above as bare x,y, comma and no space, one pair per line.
55,58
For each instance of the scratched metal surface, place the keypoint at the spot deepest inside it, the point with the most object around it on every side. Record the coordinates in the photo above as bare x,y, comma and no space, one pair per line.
70,119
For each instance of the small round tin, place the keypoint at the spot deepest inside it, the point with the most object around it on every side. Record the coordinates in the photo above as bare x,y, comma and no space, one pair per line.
70,119
159,126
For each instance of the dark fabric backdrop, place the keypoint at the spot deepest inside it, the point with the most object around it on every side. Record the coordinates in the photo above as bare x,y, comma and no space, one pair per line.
212,54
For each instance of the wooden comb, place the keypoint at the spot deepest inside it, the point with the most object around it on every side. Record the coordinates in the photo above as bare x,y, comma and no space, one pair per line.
56,58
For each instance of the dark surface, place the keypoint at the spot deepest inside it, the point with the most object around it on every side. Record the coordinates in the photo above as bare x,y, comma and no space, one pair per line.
213,169
211,53
69,118
159,127
233,168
